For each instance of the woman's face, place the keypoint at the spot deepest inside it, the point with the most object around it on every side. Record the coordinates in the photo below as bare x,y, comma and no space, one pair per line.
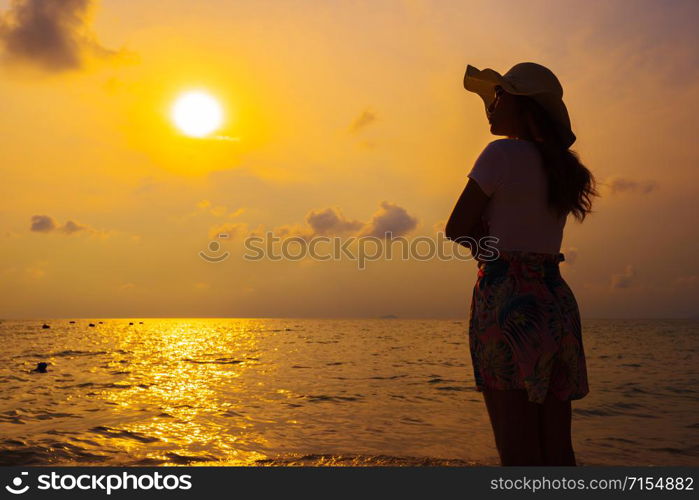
503,114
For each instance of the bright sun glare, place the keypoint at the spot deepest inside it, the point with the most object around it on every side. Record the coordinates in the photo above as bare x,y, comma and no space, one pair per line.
197,114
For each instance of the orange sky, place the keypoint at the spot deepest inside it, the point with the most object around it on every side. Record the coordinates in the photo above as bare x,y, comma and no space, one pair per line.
347,108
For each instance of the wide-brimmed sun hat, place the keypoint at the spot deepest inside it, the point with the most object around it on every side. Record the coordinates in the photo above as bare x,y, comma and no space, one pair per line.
529,79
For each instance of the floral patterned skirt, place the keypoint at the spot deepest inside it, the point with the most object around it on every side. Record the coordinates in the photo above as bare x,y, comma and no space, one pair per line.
524,328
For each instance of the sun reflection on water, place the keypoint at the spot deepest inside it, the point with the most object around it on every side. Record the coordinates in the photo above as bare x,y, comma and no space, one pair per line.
179,370
304,392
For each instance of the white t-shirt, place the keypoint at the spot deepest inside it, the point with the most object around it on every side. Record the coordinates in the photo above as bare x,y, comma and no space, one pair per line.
511,173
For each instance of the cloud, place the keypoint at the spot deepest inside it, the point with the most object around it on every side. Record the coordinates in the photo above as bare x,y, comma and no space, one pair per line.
225,138
571,255
367,144
53,35
47,224
331,222
208,208
229,230
366,118
438,227
71,227
321,222
390,218
42,224
36,271
147,185
618,185
218,210
625,279
328,221
10,234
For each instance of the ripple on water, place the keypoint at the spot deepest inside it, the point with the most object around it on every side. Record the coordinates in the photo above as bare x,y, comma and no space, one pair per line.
113,433
337,399
320,460
218,361
60,354
690,451
614,410
43,452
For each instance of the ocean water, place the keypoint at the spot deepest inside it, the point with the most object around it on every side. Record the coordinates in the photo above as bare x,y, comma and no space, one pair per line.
302,391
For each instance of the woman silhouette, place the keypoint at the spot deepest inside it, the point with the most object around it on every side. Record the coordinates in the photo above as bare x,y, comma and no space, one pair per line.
524,328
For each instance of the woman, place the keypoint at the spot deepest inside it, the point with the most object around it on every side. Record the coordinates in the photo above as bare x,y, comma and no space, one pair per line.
524,328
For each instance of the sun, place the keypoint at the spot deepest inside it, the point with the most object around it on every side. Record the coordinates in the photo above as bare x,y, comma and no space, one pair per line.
197,114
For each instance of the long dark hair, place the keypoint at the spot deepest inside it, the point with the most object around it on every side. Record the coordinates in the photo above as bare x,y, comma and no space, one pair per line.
571,185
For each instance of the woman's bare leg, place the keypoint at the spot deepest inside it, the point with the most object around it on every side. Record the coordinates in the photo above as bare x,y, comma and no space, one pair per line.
515,422
556,442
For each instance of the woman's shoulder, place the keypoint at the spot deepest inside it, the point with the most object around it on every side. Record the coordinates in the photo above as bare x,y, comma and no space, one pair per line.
518,149
508,144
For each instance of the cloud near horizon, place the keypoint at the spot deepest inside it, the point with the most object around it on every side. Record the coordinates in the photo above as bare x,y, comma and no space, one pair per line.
625,279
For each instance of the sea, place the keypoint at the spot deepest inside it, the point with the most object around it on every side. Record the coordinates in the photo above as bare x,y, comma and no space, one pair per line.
359,392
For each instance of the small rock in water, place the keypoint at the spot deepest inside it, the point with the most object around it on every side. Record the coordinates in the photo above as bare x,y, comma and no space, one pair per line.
40,367
91,324
45,326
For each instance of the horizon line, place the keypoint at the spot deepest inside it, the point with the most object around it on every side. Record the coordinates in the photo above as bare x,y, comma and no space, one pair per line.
386,316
